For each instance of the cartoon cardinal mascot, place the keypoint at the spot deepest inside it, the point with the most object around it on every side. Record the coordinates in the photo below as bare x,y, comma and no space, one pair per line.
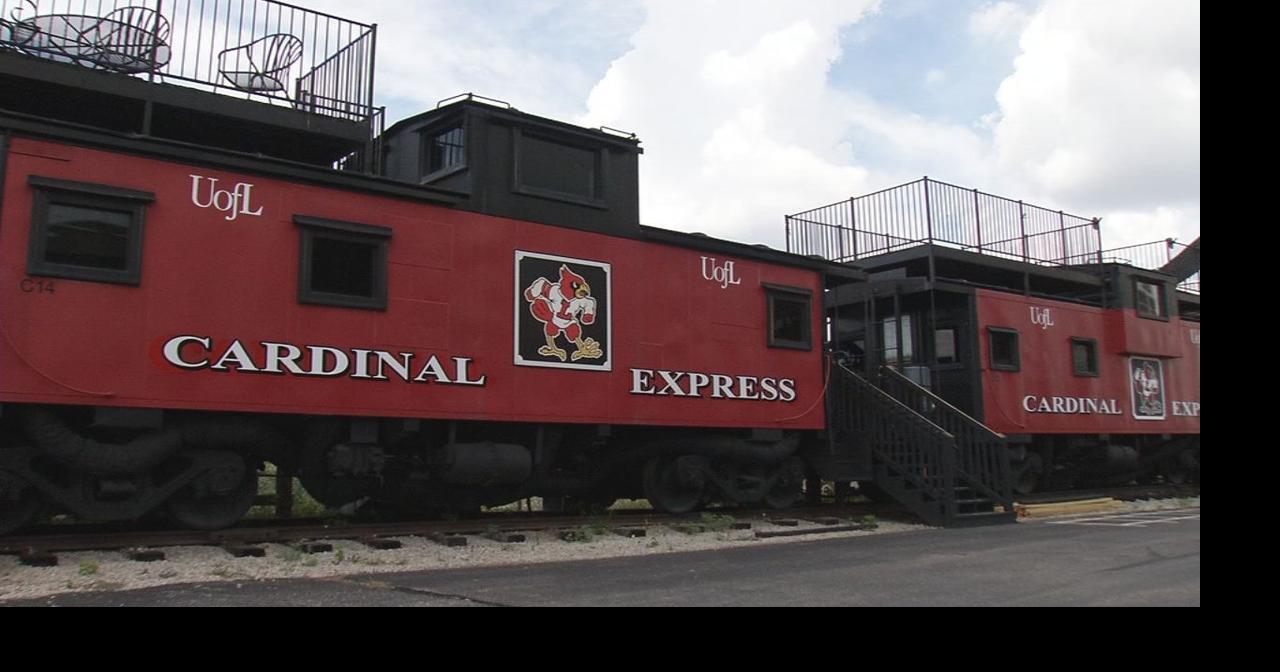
564,307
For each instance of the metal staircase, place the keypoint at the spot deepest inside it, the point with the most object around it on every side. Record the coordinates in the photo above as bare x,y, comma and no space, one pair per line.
945,466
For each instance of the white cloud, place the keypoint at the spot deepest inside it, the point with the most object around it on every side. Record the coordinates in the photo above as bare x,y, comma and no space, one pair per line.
997,21
1103,113
739,123
542,56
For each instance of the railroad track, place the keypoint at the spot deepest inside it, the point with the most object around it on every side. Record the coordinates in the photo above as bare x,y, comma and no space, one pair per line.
314,536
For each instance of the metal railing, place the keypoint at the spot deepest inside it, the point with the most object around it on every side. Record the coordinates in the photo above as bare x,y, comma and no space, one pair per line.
982,461
917,456
1154,256
261,49
929,211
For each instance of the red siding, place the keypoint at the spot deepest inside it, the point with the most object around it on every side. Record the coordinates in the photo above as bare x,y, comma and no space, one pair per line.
452,293
1048,370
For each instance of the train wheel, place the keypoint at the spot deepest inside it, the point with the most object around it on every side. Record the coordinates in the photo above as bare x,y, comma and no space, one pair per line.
18,503
1027,473
1181,468
218,498
672,489
786,489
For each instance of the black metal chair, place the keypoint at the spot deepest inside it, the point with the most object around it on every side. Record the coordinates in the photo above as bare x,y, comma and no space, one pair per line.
132,39
262,66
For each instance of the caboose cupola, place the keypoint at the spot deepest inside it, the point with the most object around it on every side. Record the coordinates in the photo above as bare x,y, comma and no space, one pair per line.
513,164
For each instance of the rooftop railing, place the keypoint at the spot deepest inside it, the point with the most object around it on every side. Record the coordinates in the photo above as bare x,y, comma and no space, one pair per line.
261,49
1155,256
929,211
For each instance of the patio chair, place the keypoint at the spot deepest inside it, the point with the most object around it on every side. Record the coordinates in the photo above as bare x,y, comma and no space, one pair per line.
132,39
262,66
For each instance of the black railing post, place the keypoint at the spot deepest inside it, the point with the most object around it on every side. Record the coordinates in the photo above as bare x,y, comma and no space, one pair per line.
1022,230
928,221
977,218
853,228
1062,227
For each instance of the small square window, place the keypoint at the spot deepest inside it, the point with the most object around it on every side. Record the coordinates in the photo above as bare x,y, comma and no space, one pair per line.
558,169
343,264
790,318
1084,356
1004,349
1149,299
944,346
444,151
87,231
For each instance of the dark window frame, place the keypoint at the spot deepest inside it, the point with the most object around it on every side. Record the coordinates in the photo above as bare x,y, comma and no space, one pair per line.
1092,344
51,192
1162,307
774,293
429,135
955,346
600,178
1016,364
364,234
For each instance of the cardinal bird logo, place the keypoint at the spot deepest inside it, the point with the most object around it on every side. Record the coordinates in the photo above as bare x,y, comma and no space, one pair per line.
564,306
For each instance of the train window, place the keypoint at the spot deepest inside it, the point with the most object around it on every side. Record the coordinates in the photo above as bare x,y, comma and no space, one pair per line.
897,350
87,231
444,150
944,346
790,318
1149,298
1004,349
343,264
553,169
1084,356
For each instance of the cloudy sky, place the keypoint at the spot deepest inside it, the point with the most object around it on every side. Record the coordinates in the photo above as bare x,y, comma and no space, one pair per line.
752,109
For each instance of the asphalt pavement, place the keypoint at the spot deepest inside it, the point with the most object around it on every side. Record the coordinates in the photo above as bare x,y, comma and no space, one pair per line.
1132,560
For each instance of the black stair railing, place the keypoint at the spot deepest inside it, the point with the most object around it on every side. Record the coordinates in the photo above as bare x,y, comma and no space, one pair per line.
914,458
982,461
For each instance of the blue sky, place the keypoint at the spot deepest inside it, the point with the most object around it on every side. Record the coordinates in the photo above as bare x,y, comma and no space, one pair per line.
752,109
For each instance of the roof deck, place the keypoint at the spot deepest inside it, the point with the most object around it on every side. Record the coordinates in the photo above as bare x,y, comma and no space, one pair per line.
254,75
931,212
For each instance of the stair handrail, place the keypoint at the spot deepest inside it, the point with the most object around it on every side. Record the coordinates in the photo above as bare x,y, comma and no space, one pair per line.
934,447
984,461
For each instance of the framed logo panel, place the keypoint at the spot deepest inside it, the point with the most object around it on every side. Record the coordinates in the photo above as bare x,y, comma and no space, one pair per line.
562,312
1146,375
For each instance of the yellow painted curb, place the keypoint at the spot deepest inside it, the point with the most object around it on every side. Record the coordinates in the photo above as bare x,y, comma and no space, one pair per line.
1101,505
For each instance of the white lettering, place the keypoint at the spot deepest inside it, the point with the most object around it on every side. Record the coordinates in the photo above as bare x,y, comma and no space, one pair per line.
672,382
641,381
724,275
173,351
341,362
464,372
318,361
1042,317
722,387
687,384
432,371
787,390
234,202
236,354
275,358
1070,405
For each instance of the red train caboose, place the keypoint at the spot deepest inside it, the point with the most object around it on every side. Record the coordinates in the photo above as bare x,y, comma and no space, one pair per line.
461,311
464,309
1088,361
